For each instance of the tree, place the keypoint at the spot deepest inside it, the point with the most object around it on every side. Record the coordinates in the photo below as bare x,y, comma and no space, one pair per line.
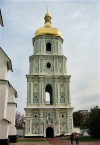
77,118
19,120
93,122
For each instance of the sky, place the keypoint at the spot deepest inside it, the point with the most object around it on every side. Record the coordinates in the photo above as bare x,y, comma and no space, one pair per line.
79,23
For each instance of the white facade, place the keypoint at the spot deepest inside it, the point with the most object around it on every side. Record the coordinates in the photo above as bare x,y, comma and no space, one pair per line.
7,99
48,74
4,129
11,110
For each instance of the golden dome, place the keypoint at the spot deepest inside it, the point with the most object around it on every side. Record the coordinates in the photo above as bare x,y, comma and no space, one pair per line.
47,29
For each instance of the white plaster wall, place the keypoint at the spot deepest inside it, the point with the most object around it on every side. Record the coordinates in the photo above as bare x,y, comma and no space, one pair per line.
3,100
12,129
4,129
3,66
11,95
11,110
40,46
38,65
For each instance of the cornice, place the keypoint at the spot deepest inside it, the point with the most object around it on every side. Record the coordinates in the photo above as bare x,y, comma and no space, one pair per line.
9,63
8,83
46,56
47,37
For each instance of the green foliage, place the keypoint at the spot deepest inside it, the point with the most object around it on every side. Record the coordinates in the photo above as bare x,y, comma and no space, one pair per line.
77,118
93,122
19,120
30,140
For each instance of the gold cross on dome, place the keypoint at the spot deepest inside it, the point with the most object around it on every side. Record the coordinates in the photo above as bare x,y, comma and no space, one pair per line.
47,8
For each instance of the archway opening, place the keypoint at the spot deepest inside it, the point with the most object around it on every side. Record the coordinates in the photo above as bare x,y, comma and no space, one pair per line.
48,93
49,132
48,46
47,99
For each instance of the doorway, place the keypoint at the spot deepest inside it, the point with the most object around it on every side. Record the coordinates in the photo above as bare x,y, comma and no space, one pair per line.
49,132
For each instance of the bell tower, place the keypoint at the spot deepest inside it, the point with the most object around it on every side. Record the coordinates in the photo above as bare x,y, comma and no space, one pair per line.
48,86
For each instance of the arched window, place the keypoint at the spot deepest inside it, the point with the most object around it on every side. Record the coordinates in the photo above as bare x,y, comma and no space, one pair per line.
48,93
48,46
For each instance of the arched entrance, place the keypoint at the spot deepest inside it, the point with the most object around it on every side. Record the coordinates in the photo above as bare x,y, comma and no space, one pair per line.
49,132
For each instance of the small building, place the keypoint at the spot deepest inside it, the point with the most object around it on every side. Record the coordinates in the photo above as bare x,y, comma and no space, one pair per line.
7,100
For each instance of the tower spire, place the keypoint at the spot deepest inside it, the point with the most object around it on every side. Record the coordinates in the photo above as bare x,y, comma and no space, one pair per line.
47,8
47,19
47,29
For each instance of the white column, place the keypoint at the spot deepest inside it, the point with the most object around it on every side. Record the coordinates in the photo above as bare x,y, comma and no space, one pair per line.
33,66
43,88
27,92
55,91
56,66
58,92
32,93
30,126
39,65
40,95
68,91
65,92
58,122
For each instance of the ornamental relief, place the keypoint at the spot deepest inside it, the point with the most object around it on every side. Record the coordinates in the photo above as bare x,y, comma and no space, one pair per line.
49,115
62,128
28,113
29,93
48,81
36,66
62,98
27,126
62,116
35,98
35,128
62,94
35,115
60,66
41,65
35,88
62,88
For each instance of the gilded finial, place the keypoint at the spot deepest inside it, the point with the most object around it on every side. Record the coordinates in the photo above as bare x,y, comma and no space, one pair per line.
47,29
47,18
47,9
